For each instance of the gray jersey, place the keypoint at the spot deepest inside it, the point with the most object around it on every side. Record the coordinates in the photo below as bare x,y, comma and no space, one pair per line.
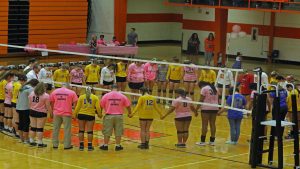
23,101
162,73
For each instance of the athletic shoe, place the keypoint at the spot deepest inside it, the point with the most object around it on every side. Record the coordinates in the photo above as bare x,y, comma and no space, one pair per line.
229,142
25,142
42,145
212,143
81,148
119,148
201,143
55,147
33,144
103,147
90,148
142,146
180,145
68,148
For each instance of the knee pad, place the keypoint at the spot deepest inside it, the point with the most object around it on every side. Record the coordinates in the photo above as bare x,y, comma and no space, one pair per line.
10,118
171,91
165,91
180,132
90,132
81,131
1,114
159,90
186,132
39,129
33,129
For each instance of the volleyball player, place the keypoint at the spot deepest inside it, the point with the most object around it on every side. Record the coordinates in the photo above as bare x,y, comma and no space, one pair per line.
245,80
224,78
39,103
183,116
108,76
190,77
208,76
15,93
174,77
23,109
77,78
150,75
209,94
289,104
162,81
92,73
2,93
61,75
8,116
145,107
135,78
45,75
121,75
86,108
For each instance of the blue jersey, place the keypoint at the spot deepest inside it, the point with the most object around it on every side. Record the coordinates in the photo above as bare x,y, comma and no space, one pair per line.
239,102
283,96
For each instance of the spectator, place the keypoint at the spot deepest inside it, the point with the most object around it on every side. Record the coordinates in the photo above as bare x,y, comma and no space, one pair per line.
101,41
209,48
132,37
28,68
93,44
238,61
193,47
115,42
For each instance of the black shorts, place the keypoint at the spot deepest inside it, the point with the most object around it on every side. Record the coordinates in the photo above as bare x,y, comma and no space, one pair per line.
136,86
210,111
37,114
105,83
14,105
49,86
174,81
190,81
24,120
92,83
76,83
221,86
188,118
1,101
121,79
7,105
85,117
141,119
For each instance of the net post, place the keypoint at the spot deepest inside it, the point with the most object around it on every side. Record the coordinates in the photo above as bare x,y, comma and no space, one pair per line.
234,87
223,90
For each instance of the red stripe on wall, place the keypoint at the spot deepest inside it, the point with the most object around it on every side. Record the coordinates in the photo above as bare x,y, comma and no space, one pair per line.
264,30
165,17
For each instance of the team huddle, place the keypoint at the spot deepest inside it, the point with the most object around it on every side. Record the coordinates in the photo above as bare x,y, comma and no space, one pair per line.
28,94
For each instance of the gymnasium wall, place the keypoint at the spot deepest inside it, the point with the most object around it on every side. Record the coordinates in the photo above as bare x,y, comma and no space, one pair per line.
52,22
3,25
103,18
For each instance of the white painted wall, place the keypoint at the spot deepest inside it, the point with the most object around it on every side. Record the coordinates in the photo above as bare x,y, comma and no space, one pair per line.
102,18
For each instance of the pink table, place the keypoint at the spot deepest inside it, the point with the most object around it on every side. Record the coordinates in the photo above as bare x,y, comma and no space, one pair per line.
118,50
74,48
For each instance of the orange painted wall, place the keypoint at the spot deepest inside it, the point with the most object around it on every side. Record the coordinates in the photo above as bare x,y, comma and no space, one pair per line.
3,25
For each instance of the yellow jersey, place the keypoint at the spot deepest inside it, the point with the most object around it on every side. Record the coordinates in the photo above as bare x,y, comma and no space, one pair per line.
2,89
88,108
92,74
145,106
61,76
289,100
207,76
175,72
121,70
15,93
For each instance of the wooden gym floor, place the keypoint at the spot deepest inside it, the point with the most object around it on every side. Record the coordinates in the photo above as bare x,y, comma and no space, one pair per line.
162,153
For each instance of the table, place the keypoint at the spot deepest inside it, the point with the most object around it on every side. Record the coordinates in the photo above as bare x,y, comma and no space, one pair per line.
108,50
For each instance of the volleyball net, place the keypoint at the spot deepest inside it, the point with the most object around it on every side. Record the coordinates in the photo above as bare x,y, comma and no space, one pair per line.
38,52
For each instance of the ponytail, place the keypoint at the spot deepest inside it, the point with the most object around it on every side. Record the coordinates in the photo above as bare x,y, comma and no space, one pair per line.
88,93
213,87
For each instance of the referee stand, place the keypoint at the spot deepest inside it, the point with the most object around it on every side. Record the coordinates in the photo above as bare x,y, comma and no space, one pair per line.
277,127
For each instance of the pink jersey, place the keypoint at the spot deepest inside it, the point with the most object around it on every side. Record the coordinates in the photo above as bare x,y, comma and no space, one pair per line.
190,74
116,43
210,97
101,42
76,76
182,109
8,93
38,103
136,73
150,71
114,103
63,99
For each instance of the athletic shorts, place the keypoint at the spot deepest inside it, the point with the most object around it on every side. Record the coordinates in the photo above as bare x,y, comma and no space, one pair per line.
49,86
188,118
37,114
190,81
76,83
105,83
141,119
113,123
85,117
221,86
24,120
92,83
13,105
174,81
136,86
7,105
121,79
210,111
1,101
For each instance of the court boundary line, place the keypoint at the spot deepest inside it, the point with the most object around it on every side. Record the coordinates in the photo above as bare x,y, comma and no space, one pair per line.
41,158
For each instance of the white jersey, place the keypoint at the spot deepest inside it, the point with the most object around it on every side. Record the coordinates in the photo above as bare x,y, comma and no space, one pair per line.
221,78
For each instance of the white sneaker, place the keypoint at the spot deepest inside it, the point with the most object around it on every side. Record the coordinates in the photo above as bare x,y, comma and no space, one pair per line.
201,143
212,143
229,142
